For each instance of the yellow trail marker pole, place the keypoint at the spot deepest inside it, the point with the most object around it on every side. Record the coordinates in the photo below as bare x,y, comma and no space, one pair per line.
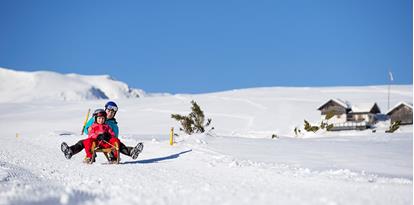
86,120
172,136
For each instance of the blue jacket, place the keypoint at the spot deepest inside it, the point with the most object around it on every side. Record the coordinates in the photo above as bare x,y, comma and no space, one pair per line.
111,122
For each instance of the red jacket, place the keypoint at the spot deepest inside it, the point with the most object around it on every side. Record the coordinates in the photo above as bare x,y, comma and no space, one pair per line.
97,129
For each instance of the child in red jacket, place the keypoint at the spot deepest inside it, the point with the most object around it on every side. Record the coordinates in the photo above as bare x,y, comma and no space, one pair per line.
101,134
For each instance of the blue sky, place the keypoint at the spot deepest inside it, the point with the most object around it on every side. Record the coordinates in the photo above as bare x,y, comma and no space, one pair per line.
207,46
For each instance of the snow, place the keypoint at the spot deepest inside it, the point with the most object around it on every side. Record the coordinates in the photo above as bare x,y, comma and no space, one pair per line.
344,104
237,162
362,108
19,86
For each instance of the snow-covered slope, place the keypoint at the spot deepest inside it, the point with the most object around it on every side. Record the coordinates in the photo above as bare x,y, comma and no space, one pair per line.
256,112
19,86
236,163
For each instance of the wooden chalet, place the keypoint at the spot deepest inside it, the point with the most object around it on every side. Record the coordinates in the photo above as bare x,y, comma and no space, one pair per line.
347,117
402,111
338,107
364,113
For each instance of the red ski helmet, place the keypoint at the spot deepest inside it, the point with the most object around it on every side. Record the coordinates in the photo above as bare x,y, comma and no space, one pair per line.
99,113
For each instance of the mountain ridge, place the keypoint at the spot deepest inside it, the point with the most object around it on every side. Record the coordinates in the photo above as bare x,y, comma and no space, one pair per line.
20,86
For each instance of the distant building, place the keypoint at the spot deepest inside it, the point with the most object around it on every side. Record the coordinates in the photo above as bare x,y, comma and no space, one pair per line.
338,107
402,111
364,113
350,117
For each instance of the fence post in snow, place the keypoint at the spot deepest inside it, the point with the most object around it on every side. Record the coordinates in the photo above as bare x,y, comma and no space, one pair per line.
172,136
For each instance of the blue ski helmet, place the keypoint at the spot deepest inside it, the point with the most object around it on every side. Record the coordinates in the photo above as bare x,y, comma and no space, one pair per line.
111,106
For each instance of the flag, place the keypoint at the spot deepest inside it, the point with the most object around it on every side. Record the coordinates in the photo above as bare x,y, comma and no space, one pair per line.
391,77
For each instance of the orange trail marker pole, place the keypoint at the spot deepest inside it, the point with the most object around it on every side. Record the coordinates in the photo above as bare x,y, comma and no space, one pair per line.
86,120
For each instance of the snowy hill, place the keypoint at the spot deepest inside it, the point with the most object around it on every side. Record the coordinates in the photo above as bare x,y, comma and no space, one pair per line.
19,86
256,112
236,163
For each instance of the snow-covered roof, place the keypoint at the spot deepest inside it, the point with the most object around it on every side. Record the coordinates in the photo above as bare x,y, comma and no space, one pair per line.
363,107
342,103
410,105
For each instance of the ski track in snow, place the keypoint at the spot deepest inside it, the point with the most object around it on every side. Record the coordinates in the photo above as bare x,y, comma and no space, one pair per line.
249,120
187,173
294,171
249,102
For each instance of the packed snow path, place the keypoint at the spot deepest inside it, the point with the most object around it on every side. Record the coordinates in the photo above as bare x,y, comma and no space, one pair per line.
199,170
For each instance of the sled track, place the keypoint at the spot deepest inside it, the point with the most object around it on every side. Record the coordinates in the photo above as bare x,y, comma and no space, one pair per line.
216,158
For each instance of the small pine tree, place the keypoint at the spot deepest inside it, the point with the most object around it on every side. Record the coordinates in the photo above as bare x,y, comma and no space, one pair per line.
186,123
324,124
297,131
310,128
329,115
307,126
329,127
193,122
198,118
394,126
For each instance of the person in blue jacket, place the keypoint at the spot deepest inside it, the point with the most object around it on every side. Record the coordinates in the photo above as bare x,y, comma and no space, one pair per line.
111,108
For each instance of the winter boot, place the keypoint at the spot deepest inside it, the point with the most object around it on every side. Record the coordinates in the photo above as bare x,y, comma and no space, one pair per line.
136,150
66,150
111,157
87,160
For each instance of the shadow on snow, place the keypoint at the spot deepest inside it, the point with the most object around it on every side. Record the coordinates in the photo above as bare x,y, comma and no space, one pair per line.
155,160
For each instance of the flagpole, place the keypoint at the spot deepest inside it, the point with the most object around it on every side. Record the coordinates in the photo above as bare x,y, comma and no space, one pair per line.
389,87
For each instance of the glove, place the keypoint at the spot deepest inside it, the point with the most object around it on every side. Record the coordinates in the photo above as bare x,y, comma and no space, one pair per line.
104,136
100,137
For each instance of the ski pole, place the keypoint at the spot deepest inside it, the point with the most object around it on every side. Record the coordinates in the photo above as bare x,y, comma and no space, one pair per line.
86,120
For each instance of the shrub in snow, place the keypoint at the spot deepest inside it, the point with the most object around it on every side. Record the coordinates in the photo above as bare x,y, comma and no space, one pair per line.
297,131
193,122
309,127
394,126
324,124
